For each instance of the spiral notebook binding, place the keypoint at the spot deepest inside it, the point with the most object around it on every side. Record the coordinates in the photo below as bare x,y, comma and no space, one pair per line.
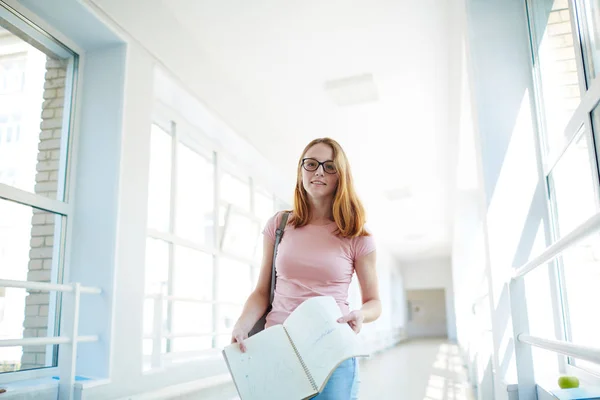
306,371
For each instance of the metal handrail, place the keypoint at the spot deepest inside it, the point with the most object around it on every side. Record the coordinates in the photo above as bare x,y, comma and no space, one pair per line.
43,341
558,346
192,300
590,226
168,335
47,287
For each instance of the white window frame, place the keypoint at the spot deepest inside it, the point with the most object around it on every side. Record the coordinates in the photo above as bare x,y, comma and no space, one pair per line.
581,119
51,43
181,130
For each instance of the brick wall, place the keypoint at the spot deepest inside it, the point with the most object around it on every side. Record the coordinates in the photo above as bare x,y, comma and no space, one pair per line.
43,223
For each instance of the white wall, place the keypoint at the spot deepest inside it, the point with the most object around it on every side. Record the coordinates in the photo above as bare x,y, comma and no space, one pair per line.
434,273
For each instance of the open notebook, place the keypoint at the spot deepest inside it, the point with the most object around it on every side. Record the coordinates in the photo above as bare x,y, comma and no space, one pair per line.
294,360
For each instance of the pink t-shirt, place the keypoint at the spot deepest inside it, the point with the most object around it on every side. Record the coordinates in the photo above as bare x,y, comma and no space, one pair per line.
312,261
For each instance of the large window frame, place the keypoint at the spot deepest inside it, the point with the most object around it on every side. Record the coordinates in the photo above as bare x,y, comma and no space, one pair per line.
61,206
223,163
579,126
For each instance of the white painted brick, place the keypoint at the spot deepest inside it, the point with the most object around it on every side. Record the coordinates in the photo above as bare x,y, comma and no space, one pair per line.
49,94
35,322
43,332
27,333
47,166
43,155
49,144
47,265
60,92
46,114
42,177
50,218
40,275
38,219
62,73
46,134
35,265
32,310
53,176
41,358
36,350
51,123
49,241
37,298
43,311
57,133
51,195
28,358
52,73
56,154
54,63
53,103
58,112
54,83
45,187
42,230
37,242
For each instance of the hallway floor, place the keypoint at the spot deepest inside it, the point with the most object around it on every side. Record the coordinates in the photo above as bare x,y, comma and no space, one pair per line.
427,369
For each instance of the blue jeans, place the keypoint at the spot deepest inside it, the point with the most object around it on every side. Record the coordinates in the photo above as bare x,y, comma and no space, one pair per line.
343,383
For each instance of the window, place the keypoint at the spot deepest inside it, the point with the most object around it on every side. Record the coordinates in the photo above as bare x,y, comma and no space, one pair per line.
36,90
198,273
589,24
570,131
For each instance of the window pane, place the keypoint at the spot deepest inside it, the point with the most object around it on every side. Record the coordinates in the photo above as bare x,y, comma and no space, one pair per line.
195,196
582,278
190,318
572,186
235,281
193,275
241,233
179,345
228,315
235,191
560,95
32,111
264,207
29,250
159,187
590,25
157,266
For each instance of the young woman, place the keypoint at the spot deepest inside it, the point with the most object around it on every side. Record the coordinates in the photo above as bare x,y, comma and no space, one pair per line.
324,243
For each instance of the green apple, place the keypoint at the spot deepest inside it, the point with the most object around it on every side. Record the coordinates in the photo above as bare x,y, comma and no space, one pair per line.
568,382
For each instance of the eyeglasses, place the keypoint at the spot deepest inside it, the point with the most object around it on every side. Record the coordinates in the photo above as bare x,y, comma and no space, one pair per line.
310,164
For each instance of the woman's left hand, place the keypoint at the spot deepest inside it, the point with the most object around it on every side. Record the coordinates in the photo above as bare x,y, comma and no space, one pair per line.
354,319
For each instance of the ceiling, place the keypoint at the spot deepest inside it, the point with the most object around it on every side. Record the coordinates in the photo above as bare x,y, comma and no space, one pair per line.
281,56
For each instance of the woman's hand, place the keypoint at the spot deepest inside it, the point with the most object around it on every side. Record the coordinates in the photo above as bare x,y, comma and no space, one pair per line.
238,335
354,319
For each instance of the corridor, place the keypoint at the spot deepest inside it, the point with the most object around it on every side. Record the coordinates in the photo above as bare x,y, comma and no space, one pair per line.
424,369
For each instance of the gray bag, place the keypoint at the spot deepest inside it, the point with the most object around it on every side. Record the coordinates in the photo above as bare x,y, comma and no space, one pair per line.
260,324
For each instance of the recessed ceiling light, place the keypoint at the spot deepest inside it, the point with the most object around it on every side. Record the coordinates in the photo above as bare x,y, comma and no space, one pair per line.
358,89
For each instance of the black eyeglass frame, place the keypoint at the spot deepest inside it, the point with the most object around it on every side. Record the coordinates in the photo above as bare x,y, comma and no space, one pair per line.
318,165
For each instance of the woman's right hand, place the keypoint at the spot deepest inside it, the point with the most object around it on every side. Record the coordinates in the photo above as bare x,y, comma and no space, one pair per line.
238,335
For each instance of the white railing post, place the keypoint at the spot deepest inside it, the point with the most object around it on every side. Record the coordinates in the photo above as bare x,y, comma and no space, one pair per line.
157,331
523,353
68,352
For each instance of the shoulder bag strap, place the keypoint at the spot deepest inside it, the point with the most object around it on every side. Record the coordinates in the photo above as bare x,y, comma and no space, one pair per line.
278,236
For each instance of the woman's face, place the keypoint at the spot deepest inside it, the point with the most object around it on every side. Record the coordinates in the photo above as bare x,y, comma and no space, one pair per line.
319,173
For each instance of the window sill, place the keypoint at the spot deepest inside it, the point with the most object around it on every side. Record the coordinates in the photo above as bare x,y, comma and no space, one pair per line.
41,387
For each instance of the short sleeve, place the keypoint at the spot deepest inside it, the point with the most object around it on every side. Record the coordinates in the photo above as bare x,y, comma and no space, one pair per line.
363,245
271,226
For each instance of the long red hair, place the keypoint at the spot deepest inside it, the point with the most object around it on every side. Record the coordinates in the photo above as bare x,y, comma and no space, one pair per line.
347,209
